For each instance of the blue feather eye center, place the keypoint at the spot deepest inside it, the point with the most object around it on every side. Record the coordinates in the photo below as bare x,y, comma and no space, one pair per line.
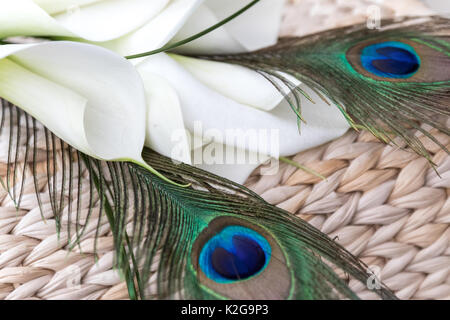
235,253
390,60
245,259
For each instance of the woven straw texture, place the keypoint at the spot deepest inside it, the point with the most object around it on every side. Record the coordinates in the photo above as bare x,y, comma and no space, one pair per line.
385,205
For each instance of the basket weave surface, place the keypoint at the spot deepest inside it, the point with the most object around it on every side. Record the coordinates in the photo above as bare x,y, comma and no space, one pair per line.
385,205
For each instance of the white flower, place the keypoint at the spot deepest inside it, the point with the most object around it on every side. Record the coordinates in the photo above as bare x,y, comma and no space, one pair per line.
134,26
88,96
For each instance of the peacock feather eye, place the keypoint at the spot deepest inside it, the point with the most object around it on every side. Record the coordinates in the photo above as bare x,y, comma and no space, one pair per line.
235,258
400,60
390,59
234,253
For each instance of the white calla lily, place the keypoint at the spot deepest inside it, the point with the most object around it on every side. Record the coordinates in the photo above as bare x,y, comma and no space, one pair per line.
180,93
133,26
206,97
88,96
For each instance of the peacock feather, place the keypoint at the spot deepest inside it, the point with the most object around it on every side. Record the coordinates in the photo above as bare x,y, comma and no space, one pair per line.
212,240
387,81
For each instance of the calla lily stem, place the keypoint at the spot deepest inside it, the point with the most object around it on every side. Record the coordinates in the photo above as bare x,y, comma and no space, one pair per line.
144,165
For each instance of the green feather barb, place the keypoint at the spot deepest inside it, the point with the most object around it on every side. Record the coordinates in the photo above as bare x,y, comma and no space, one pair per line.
387,81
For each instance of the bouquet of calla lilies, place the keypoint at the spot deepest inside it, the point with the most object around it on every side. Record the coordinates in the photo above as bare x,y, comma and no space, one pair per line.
202,83
113,106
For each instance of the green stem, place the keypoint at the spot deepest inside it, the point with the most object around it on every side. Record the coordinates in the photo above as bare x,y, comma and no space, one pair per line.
195,36
298,165
146,166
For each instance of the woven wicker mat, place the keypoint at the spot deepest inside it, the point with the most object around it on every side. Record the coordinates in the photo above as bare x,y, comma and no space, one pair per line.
385,205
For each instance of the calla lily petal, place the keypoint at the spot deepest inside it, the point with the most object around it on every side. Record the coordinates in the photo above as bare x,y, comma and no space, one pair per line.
167,24
107,20
64,109
254,29
25,18
323,123
59,6
87,95
165,132
219,113
236,82
96,21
